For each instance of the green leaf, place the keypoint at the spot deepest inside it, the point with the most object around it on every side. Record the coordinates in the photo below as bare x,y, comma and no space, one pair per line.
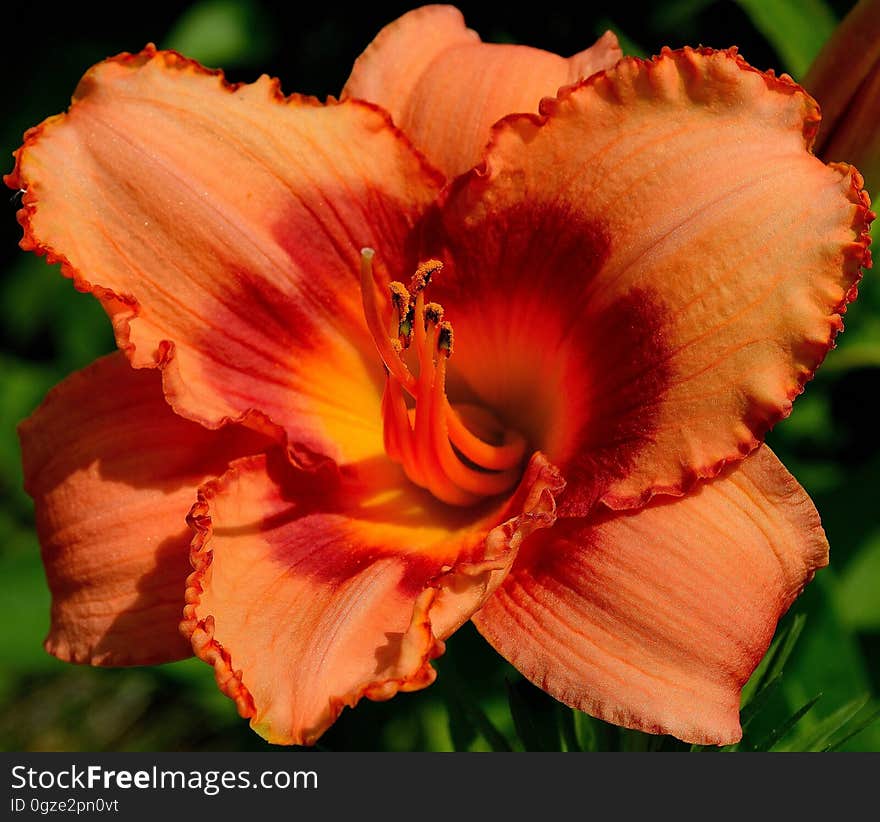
221,32
852,729
569,732
592,734
810,420
783,649
770,668
797,29
863,352
782,730
858,594
22,386
847,531
193,677
26,600
828,658
535,716
41,310
467,718
462,730
759,701
633,741
820,736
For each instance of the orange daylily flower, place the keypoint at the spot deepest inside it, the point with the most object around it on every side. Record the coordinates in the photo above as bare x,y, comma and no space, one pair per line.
393,399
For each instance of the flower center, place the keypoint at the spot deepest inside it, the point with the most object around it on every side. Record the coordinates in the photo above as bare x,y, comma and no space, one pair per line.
423,432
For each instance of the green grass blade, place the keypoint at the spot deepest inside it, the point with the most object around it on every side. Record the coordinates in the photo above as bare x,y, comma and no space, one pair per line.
535,716
467,718
776,664
758,701
853,729
777,734
592,734
462,730
820,737
569,732
774,660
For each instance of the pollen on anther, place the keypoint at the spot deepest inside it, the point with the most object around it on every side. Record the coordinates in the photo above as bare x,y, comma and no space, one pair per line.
399,296
405,326
445,339
423,275
433,313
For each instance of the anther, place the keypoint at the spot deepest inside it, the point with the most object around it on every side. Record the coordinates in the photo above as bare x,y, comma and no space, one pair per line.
399,297
402,318
445,339
433,313
423,275
405,326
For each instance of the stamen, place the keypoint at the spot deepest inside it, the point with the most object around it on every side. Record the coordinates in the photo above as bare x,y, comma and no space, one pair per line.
391,435
494,457
439,482
374,322
481,483
400,422
435,448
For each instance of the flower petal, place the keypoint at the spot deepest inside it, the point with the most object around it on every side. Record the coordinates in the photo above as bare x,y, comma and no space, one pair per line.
654,619
221,227
856,137
445,88
314,589
845,79
113,472
654,268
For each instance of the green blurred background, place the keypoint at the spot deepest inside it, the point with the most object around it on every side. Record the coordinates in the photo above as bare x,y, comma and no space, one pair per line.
831,443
